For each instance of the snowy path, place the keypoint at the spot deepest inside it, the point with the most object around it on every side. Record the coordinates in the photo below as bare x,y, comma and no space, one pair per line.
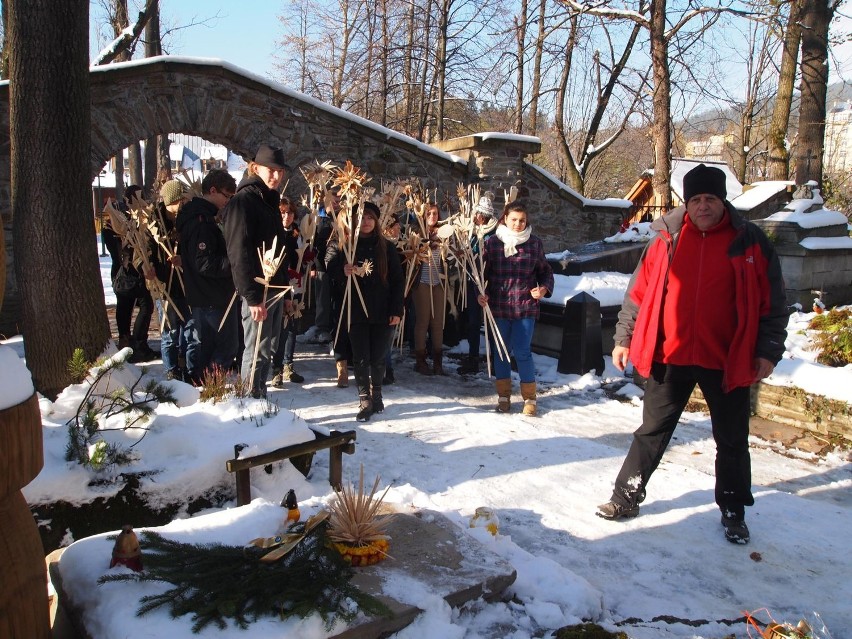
440,441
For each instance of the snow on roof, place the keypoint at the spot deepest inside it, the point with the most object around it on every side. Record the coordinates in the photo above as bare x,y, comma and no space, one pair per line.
798,212
214,152
681,167
759,193
844,242
186,156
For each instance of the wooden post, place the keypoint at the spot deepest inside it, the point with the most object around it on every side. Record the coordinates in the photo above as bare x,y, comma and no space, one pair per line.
24,610
336,442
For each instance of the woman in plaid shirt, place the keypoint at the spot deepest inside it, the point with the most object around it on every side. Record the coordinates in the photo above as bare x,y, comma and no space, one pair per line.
518,276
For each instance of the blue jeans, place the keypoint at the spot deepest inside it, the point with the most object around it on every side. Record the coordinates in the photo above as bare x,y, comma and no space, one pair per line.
517,335
206,345
172,338
474,320
283,353
267,345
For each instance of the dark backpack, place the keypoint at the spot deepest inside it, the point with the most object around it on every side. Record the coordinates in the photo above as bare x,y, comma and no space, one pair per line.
127,280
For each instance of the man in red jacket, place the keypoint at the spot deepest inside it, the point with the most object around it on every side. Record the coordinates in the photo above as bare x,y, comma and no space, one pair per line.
706,306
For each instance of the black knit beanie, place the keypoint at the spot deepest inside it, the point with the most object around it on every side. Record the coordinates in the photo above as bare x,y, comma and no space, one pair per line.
704,179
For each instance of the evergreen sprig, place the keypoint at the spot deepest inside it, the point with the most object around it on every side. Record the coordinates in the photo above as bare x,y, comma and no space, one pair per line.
215,582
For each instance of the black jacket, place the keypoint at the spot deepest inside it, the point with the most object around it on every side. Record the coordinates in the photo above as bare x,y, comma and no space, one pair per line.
159,260
249,220
383,299
325,226
206,269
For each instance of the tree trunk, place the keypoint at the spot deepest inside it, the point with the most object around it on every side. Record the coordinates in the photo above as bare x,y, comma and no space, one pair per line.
120,23
153,47
816,17
662,126
134,164
571,174
49,112
520,48
383,66
536,81
779,156
408,73
441,67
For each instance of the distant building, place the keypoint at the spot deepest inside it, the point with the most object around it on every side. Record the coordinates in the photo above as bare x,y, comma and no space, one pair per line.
711,149
838,138
646,203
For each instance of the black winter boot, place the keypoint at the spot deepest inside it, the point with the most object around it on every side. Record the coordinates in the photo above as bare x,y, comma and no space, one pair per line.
376,397
366,409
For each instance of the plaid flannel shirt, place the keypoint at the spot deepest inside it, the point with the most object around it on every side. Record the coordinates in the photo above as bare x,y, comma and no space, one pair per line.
511,278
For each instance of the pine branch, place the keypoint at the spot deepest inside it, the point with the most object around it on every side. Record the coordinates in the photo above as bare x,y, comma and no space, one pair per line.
214,582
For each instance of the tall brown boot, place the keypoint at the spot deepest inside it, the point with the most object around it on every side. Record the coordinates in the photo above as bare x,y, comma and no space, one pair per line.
437,362
504,394
528,393
421,366
342,374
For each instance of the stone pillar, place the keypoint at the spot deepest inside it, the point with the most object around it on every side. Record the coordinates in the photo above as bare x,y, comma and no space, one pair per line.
494,160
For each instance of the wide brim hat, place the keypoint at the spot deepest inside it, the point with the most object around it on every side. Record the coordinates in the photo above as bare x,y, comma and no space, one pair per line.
271,157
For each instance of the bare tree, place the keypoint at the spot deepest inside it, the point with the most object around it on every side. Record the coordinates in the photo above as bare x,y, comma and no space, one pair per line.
779,156
49,112
815,19
662,29
126,35
520,53
538,53
607,76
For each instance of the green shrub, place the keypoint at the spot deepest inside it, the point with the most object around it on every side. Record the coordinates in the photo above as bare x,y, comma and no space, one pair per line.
833,337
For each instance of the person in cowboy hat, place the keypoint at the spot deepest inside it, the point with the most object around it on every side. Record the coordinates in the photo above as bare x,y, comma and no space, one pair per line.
251,221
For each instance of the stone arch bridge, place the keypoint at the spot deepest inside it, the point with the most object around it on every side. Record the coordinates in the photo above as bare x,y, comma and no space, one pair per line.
224,104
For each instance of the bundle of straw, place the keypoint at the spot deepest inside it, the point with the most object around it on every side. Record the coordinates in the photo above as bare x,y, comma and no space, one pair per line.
134,229
462,229
318,177
350,181
270,262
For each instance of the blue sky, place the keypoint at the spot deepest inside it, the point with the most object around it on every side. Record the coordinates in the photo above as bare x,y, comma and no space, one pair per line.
244,33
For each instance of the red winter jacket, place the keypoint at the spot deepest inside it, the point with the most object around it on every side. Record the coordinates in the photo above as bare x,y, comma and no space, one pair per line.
759,297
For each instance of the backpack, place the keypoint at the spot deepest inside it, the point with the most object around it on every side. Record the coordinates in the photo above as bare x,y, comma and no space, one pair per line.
127,280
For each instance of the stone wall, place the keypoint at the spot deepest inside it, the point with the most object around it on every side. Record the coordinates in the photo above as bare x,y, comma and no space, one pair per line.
811,269
135,101
559,216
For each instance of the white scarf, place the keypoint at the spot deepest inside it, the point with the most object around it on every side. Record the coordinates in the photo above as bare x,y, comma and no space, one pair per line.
511,239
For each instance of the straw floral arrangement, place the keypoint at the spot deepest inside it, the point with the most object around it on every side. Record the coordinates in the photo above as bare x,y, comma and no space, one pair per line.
355,529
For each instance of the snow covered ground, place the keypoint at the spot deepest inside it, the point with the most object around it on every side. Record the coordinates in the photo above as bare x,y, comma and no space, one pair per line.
440,446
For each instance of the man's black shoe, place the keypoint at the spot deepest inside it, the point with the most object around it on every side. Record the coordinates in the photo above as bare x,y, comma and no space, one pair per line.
735,527
614,511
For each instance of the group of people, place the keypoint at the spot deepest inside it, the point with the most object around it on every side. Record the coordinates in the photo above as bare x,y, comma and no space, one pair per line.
705,306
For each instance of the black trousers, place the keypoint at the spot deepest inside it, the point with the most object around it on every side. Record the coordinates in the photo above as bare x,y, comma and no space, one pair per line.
124,305
369,343
666,395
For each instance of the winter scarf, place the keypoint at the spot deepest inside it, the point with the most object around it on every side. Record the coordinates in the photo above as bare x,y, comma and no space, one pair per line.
511,239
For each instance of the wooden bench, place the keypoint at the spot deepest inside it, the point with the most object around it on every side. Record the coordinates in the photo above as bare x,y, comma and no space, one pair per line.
336,442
